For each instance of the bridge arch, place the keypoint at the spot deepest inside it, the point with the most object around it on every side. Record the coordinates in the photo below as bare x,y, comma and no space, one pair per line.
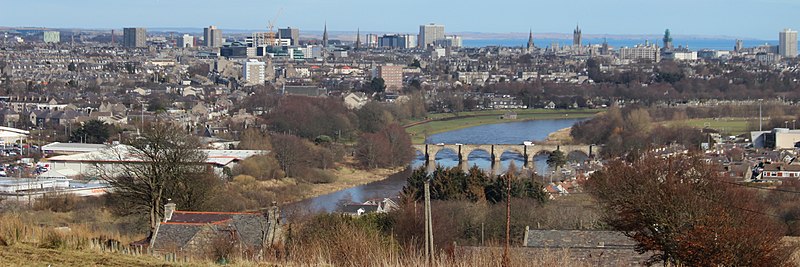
496,151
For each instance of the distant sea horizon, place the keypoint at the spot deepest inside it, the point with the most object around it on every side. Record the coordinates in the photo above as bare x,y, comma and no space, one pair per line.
693,44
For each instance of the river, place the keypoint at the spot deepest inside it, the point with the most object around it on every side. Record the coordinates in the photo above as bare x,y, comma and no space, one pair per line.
501,133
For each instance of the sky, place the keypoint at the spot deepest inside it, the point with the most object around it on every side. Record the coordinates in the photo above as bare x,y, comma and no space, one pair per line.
756,19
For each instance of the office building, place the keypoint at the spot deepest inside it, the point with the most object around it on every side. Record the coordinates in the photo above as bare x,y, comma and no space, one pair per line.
787,45
392,77
641,52
372,40
428,34
254,72
290,33
51,37
397,41
778,138
134,37
577,36
212,36
449,41
186,41
235,50
681,55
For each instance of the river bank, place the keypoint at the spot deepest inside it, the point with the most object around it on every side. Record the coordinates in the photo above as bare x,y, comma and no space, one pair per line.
347,176
561,136
440,123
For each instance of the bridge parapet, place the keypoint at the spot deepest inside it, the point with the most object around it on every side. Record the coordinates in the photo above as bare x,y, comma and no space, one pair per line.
496,150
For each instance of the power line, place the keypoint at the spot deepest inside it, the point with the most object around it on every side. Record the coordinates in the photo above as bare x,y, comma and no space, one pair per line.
757,187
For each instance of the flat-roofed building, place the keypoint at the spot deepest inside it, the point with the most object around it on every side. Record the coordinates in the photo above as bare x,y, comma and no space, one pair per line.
392,77
641,52
212,36
51,37
254,72
186,41
430,33
134,37
787,47
290,33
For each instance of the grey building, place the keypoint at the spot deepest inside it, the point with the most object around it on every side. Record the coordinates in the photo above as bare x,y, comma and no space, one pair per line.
787,47
290,33
134,37
428,34
212,36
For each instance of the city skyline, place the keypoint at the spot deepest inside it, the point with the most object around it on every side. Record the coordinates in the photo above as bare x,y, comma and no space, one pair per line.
703,18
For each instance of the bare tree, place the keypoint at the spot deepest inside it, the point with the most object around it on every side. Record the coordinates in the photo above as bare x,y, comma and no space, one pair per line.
160,164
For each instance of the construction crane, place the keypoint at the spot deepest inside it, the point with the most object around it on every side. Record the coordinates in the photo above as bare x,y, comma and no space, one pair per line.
271,35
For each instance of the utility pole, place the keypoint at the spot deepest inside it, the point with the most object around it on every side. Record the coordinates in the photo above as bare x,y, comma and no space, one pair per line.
428,225
760,118
506,261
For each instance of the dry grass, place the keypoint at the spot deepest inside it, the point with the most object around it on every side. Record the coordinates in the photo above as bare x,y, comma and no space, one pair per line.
561,136
24,242
28,255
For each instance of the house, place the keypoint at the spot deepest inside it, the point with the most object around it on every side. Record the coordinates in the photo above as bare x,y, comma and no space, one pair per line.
9,117
510,115
780,170
597,248
370,206
193,232
355,100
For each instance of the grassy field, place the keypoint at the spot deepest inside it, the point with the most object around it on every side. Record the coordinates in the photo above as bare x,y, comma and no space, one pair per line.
440,123
28,255
731,126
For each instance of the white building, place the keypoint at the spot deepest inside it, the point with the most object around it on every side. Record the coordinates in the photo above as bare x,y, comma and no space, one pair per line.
639,52
254,72
10,135
186,41
52,37
681,56
428,34
109,160
787,47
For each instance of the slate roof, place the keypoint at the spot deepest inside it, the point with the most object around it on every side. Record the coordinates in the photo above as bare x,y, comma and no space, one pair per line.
183,227
177,235
578,239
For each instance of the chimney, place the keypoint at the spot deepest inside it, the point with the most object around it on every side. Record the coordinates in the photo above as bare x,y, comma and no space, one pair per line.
168,210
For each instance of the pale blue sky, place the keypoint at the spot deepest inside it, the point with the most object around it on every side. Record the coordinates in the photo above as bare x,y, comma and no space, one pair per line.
761,19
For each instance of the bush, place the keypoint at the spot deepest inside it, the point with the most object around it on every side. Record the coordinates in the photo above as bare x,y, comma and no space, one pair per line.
52,240
317,176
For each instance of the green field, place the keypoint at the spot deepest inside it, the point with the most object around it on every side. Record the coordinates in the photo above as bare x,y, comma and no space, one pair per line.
730,126
445,122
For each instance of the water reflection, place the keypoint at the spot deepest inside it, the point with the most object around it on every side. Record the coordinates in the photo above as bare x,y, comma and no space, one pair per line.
504,133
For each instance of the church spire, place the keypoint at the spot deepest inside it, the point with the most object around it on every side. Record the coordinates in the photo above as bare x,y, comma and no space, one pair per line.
325,35
358,39
530,40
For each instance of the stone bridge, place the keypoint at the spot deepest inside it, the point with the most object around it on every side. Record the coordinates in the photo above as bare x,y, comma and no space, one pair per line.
496,150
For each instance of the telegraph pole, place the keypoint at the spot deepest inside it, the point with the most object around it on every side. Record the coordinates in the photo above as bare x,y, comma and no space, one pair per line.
760,118
506,261
428,225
